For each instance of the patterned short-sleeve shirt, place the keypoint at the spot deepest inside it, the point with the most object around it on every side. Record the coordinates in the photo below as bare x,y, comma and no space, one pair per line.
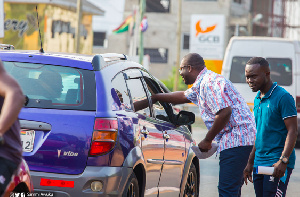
211,92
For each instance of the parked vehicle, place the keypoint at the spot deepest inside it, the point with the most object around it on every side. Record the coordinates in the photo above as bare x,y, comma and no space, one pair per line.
89,127
283,56
21,182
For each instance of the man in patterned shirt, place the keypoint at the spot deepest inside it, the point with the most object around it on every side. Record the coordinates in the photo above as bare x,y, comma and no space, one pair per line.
226,115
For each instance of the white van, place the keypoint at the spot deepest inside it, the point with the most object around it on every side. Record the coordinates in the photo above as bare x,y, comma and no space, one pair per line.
283,56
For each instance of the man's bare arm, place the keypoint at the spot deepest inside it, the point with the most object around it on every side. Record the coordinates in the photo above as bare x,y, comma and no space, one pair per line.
172,97
291,125
221,119
13,100
249,168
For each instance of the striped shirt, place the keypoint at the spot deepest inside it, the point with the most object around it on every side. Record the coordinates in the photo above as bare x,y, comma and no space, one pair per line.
211,92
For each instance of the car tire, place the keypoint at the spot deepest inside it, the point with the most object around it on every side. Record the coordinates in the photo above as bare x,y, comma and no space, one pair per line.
191,187
132,187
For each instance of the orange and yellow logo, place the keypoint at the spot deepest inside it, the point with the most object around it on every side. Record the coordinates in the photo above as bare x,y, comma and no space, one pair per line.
200,30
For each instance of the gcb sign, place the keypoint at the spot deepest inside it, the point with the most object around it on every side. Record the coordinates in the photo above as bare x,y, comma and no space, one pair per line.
207,36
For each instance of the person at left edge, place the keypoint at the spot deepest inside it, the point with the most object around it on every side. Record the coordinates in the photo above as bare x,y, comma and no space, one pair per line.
11,102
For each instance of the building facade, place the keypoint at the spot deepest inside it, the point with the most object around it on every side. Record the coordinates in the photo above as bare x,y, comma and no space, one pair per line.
57,23
160,39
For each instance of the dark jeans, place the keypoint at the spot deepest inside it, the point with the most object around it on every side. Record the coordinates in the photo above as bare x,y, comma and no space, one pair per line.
7,169
266,185
232,164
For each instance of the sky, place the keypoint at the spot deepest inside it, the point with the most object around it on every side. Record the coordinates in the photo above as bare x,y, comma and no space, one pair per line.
113,17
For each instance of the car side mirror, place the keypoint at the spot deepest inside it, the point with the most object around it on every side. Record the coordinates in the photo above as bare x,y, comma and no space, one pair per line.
185,118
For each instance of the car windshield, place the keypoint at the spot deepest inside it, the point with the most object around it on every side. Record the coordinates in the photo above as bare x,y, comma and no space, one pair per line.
48,86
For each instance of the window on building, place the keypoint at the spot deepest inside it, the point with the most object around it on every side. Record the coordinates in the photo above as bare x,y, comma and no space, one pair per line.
157,5
200,0
159,55
99,39
238,1
186,41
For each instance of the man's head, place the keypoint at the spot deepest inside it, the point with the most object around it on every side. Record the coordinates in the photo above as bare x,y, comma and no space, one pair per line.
190,67
257,72
119,95
52,82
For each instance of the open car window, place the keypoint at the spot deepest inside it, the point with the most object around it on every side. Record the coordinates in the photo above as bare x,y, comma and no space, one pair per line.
162,111
137,91
120,94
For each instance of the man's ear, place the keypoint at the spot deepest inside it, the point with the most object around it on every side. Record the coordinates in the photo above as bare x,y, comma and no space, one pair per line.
190,68
268,73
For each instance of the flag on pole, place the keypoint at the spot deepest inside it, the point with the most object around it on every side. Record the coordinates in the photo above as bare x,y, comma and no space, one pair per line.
144,24
125,25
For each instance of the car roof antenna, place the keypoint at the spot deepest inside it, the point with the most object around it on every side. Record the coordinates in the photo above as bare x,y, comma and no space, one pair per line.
37,16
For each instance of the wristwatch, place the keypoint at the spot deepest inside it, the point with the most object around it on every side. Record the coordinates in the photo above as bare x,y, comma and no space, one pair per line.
284,159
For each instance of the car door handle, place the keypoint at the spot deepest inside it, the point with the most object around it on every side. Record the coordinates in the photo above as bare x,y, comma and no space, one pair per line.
35,125
145,131
166,136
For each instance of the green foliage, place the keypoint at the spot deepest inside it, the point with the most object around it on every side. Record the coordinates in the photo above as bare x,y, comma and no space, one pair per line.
170,81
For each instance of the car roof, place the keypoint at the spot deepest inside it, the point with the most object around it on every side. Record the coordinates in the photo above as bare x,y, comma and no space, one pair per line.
61,59
89,62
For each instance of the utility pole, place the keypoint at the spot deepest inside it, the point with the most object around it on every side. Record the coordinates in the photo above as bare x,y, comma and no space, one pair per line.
178,34
1,19
77,33
141,47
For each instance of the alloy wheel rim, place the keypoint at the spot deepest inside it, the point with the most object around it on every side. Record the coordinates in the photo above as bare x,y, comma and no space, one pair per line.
190,187
131,190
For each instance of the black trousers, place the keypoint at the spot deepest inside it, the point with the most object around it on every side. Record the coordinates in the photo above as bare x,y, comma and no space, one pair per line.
7,169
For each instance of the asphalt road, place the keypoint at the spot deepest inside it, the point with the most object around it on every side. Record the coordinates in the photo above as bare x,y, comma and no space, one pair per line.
209,173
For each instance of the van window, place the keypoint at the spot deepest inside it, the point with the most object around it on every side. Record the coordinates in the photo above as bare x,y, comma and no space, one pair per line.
281,70
56,87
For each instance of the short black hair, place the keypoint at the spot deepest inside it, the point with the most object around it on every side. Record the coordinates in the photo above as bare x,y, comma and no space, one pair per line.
194,59
258,60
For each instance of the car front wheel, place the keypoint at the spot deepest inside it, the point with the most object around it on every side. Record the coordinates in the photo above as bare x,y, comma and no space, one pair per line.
132,187
191,186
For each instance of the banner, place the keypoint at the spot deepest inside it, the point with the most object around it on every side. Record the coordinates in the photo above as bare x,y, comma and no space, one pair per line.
207,36
1,19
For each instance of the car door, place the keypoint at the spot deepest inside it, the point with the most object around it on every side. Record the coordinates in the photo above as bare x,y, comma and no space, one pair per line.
174,141
152,142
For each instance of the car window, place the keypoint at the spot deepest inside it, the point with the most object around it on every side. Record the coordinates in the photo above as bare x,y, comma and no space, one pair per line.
137,91
48,86
161,110
281,70
120,95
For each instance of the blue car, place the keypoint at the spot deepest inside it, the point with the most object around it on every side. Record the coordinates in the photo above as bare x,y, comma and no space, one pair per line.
89,127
